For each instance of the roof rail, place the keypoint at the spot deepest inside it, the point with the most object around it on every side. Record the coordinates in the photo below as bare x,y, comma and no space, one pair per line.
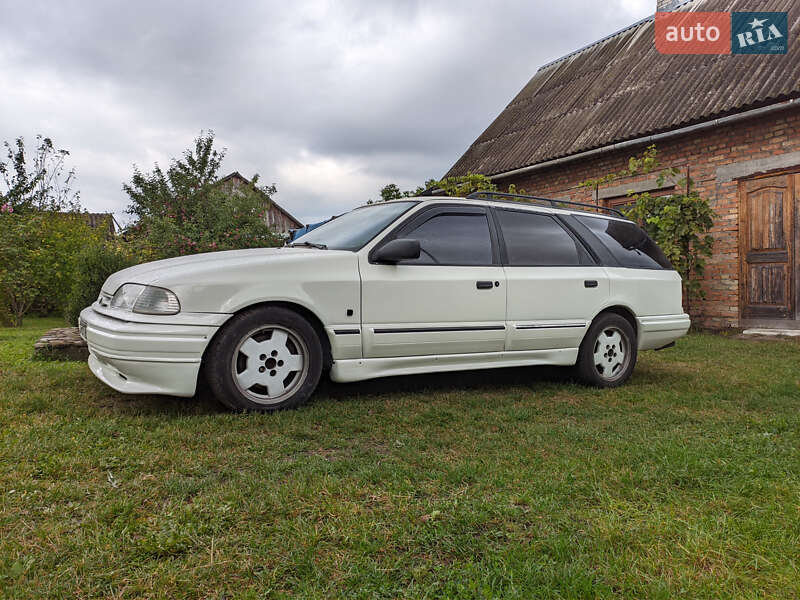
552,202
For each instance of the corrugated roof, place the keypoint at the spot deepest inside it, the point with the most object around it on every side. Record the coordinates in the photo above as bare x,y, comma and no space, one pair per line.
621,88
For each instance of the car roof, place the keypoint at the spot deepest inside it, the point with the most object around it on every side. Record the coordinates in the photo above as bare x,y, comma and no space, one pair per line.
537,205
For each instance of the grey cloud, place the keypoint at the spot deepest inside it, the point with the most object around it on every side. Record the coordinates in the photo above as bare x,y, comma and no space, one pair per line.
380,91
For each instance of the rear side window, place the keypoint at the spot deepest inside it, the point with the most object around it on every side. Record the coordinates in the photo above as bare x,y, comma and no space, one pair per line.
453,239
538,240
629,244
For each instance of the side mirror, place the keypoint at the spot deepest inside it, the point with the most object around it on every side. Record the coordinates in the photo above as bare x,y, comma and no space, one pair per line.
397,250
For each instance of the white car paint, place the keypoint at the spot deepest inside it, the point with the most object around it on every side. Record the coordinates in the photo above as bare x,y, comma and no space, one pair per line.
550,307
533,316
420,303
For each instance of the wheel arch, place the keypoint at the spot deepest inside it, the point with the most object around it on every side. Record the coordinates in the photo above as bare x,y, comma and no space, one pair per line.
305,312
624,312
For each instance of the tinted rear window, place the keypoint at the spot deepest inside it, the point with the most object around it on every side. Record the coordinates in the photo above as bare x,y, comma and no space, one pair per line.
534,239
629,244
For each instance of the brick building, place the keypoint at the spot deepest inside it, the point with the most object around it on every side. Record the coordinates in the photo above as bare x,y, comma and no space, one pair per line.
730,121
277,217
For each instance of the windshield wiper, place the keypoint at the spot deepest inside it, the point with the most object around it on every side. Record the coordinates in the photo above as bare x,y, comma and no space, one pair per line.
310,245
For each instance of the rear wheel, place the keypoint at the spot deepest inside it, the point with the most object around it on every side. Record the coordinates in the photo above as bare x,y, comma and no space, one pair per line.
265,359
608,353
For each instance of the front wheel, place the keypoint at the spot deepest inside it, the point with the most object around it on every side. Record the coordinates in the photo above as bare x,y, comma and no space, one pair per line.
608,352
265,359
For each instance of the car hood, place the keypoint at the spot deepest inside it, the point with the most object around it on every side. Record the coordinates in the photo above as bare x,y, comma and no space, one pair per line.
225,282
213,266
159,271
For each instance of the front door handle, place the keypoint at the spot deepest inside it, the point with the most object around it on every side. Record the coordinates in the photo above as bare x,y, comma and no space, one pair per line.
485,285
590,283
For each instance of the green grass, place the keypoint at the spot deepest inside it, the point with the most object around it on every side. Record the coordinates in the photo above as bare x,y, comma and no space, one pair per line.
502,484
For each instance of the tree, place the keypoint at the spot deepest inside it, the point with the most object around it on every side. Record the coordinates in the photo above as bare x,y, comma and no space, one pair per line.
461,186
392,192
38,257
17,294
41,229
40,183
679,223
185,210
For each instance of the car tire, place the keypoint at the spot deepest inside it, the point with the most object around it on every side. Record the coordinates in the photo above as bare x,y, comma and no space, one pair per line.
264,359
608,352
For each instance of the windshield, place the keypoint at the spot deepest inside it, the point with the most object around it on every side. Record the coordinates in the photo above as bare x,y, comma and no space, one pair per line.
353,230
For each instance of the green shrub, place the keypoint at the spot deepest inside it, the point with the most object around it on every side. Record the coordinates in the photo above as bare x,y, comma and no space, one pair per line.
680,225
186,210
41,229
63,237
5,312
38,253
94,265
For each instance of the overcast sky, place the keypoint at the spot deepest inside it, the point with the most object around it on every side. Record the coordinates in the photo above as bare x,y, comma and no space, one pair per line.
328,100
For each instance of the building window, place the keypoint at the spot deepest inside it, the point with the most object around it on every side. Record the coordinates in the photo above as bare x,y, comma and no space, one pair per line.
621,203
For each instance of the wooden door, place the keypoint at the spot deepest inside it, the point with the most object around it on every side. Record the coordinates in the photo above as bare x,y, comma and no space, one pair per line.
767,243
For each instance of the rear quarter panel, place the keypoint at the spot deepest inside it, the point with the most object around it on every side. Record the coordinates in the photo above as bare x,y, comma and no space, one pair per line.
646,292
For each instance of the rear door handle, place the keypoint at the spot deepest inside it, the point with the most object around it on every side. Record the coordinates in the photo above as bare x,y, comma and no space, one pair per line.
485,285
590,283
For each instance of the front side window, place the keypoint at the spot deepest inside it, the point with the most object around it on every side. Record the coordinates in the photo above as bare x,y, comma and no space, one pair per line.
453,239
629,244
538,240
353,230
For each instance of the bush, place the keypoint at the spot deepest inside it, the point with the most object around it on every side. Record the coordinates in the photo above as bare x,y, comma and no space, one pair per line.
462,185
38,252
5,312
94,266
18,290
186,210
680,225
63,237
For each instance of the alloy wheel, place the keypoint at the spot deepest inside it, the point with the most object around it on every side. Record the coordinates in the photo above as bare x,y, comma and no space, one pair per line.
270,364
611,353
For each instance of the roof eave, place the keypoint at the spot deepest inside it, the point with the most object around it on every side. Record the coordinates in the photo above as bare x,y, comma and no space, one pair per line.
650,139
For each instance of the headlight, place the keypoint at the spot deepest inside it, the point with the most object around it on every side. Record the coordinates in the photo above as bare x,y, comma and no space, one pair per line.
127,294
146,299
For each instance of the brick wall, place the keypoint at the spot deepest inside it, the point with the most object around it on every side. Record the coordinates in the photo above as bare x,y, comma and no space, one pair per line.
704,153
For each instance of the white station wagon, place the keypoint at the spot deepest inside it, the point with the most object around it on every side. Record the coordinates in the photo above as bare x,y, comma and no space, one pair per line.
409,286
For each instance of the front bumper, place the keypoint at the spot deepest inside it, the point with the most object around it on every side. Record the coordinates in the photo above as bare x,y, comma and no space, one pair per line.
144,358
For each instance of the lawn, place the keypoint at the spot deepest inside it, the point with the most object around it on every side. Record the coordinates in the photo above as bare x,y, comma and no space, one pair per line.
498,484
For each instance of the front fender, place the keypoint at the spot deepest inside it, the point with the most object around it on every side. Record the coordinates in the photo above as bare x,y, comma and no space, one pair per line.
327,284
